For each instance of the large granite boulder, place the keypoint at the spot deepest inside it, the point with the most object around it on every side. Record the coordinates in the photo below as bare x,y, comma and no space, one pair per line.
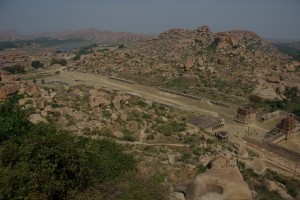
32,90
37,118
257,165
3,94
41,102
219,183
277,187
8,90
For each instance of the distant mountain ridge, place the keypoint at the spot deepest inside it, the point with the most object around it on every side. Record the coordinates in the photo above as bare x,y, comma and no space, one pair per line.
92,34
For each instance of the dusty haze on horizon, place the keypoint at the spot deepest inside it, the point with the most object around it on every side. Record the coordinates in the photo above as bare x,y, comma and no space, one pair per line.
269,18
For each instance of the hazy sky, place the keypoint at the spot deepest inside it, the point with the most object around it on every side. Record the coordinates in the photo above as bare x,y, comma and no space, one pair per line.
269,18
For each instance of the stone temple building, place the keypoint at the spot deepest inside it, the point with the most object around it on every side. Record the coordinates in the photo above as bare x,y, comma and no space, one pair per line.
208,123
245,115
287,126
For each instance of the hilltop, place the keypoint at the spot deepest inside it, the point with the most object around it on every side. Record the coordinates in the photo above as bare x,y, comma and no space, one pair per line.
226,65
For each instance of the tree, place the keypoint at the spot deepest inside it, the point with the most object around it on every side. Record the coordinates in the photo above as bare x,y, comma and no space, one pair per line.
49,164
291,92
255,99
42,162
121,46
37,64
16,69
13,120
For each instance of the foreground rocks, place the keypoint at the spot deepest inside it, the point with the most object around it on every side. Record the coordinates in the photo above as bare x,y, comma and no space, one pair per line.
8,90
277,187
257,165
226,183
37,118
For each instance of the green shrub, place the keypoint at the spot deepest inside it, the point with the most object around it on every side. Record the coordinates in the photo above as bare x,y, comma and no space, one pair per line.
13,120
171,127
37,64
77,57
16,69
40,162
291,92
201,169
52,164
186,156
121,46
130,187
129,137
150,137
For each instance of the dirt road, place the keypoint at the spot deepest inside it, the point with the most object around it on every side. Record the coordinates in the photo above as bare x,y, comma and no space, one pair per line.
75,78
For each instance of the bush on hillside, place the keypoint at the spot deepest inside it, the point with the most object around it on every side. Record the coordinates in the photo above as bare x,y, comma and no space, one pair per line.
37,64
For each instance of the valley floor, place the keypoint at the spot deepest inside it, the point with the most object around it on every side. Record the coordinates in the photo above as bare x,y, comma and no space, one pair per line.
256,130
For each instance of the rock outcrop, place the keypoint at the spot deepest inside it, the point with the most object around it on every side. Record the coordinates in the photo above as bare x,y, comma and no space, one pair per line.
257,165
225,183
277,187
37,118
8,90
32,90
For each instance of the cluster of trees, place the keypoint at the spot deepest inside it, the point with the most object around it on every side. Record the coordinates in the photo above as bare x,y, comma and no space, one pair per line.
291,104
170,128
7,45
42,162
37,64
40,41
121,46
84,50
289,50
15,69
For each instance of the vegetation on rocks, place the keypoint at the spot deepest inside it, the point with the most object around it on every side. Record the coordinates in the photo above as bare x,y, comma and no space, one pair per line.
291,104
43,162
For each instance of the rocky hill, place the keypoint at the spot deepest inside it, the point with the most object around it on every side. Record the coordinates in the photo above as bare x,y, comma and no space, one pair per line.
224,65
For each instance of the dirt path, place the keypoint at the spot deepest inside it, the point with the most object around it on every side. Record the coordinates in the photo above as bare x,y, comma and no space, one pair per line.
143,91
149,144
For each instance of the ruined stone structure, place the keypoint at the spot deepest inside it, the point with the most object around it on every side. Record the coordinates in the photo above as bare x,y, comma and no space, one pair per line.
287,126
207,123
217,103
222,135
245,115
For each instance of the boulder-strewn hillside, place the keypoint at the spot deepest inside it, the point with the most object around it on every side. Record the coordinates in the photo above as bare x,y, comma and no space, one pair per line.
222,65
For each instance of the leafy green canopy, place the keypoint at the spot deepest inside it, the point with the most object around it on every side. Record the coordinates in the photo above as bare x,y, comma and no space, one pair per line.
37,64
13,120
41,162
